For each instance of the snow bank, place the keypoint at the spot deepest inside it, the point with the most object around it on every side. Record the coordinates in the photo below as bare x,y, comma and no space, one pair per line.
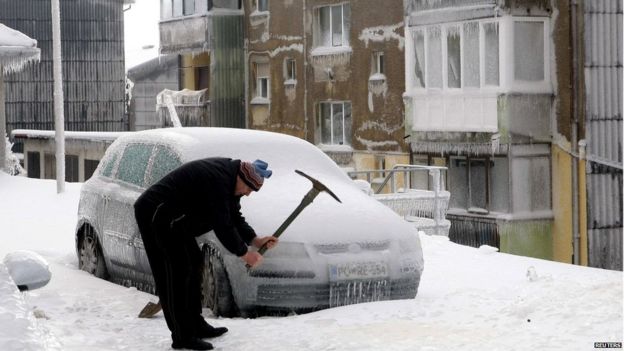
468,299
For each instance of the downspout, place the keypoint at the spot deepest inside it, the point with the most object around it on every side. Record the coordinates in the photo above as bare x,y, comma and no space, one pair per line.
246,77
305,76
574,134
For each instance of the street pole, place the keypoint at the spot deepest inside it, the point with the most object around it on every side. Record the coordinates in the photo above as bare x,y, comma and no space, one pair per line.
59,135
2,123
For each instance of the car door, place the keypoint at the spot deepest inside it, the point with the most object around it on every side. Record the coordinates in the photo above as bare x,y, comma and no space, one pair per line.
163,161
120,227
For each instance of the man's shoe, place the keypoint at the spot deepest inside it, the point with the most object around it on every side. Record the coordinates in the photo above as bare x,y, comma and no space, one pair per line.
192,344
210,331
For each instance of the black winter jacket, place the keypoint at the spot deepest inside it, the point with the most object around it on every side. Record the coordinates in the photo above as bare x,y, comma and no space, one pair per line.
200,197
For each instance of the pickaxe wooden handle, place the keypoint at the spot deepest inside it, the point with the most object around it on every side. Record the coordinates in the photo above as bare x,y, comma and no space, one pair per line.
317,187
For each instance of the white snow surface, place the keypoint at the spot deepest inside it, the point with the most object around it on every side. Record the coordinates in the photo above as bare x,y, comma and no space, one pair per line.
27,268
469,299
11,37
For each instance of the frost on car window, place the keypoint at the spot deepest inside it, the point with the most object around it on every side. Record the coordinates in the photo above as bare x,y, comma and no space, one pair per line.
107,169
134,162
164,162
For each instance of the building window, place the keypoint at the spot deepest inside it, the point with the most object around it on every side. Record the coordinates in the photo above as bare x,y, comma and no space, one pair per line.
453,57
378,63
262,87
262,5
262,81
175,8
335,123
479,184
467,55
529,51
290,71
333,24
225,4
491,55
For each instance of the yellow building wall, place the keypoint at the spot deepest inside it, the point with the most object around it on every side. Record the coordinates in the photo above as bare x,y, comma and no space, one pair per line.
584,246
188,64
563,236
368,161
562,205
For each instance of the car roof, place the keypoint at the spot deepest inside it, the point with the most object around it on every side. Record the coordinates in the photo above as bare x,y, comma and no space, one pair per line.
280,150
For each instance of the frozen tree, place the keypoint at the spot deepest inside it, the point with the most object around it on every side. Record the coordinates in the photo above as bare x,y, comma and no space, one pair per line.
12,165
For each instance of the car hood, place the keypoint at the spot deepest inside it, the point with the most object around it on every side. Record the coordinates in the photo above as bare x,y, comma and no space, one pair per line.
358,218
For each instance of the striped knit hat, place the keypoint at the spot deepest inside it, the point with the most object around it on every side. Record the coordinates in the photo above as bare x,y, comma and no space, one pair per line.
253,173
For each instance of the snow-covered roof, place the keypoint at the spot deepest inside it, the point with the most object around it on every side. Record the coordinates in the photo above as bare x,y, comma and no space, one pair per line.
149,67
16,49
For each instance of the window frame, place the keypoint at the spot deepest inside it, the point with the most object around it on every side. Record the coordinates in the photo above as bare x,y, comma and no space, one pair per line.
264,8
290,71
262,82
506,54
318,32
345,138
379,63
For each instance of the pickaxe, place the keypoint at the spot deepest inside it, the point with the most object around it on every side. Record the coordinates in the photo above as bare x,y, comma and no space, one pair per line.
317,187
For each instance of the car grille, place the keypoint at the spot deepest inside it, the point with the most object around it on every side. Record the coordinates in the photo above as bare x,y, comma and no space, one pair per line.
320,296
358,291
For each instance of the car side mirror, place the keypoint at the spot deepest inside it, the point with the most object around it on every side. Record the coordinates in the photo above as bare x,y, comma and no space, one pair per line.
28,269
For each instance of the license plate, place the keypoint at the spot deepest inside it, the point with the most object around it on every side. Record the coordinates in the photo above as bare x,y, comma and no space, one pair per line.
358,270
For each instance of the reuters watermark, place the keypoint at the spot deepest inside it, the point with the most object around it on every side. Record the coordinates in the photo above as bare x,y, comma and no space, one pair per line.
607,345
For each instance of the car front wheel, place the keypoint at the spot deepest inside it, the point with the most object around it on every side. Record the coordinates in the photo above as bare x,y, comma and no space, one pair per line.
216,289
90,257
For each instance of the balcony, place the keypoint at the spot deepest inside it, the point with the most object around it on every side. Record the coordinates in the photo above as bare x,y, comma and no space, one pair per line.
186,34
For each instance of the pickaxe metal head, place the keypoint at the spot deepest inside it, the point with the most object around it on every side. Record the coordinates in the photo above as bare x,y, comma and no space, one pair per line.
318,185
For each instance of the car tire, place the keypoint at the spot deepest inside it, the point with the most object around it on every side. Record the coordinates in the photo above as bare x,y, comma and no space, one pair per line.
216,288
90,257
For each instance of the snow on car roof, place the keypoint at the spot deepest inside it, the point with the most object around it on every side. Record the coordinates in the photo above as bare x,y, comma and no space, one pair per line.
359,217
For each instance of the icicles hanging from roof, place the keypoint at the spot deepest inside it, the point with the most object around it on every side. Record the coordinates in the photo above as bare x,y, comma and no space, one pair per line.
13,59
16,50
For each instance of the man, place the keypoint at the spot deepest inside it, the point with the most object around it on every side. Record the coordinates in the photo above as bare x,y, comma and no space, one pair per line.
193,199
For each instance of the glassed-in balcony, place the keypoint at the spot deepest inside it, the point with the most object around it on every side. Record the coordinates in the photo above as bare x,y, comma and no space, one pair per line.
187,26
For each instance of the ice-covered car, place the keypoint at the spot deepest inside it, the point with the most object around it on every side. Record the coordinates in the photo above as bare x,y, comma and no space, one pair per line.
332,254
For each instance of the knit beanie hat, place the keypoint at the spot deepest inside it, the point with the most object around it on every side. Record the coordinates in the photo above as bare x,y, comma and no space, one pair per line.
253,173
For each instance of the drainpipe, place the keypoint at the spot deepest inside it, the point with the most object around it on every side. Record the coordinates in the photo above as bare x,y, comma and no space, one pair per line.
305,77
574,126
246,78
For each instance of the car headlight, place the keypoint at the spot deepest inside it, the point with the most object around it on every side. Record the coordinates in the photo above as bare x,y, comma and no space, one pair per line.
408,246
287,250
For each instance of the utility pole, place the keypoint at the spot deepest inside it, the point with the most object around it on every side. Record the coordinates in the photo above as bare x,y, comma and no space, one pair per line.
59,120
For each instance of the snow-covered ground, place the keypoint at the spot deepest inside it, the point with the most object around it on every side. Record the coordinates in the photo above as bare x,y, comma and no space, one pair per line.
469,299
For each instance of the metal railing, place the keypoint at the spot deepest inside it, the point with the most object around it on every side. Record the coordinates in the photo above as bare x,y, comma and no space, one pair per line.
414,204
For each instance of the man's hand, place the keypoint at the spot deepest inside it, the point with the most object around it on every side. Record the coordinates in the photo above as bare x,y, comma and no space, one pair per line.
252,258
259,241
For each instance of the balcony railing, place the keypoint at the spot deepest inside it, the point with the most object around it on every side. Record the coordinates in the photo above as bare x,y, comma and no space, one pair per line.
426,208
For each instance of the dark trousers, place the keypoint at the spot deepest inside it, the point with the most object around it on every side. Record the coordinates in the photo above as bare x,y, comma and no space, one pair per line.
176,263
